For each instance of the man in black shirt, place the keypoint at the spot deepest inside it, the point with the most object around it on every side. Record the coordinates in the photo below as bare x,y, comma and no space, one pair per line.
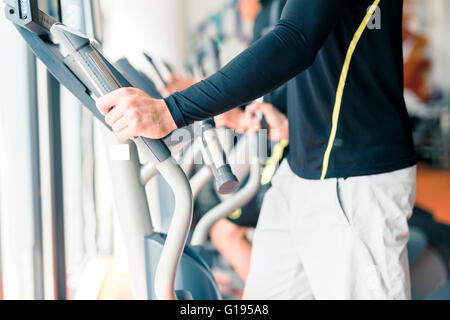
334,224
229,235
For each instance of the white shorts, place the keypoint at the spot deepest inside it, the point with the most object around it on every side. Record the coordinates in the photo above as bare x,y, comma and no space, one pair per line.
333,239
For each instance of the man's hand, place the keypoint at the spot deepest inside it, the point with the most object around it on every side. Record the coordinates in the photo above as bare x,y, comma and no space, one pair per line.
277,122
132,113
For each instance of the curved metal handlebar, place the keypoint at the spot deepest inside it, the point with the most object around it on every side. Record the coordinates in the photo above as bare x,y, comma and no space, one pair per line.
86,63
235,201
226,181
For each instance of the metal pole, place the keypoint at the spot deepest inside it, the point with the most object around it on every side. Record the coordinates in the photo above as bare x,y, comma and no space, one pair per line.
38,267
131,207
57,194
1,263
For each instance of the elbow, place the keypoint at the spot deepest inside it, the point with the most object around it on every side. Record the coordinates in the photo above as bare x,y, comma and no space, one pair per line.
294,40
309,58
302,60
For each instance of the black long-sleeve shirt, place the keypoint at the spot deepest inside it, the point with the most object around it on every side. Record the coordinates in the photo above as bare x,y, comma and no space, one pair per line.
264,23
346,110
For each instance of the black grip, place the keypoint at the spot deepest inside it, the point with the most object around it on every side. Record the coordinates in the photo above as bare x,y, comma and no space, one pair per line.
261,138
226,181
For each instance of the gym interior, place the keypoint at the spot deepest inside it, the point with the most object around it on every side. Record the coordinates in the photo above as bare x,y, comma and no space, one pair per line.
87,216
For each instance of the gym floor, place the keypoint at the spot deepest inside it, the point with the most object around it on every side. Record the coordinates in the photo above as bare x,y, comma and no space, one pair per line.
433,192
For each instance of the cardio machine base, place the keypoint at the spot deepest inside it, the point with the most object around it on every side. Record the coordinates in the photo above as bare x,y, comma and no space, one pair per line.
193,276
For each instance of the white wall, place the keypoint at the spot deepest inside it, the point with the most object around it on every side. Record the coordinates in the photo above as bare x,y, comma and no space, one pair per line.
439,29
154,26
162,28
16,198
434,23
198,11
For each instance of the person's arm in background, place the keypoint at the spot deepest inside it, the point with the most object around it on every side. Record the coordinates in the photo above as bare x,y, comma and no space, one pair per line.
277,122
178,83
273,60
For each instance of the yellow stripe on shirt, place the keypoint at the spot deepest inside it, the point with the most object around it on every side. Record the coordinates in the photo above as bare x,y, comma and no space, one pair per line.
341,86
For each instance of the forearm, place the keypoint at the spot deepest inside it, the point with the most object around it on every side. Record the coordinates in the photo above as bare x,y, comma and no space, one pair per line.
270,62
263,67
